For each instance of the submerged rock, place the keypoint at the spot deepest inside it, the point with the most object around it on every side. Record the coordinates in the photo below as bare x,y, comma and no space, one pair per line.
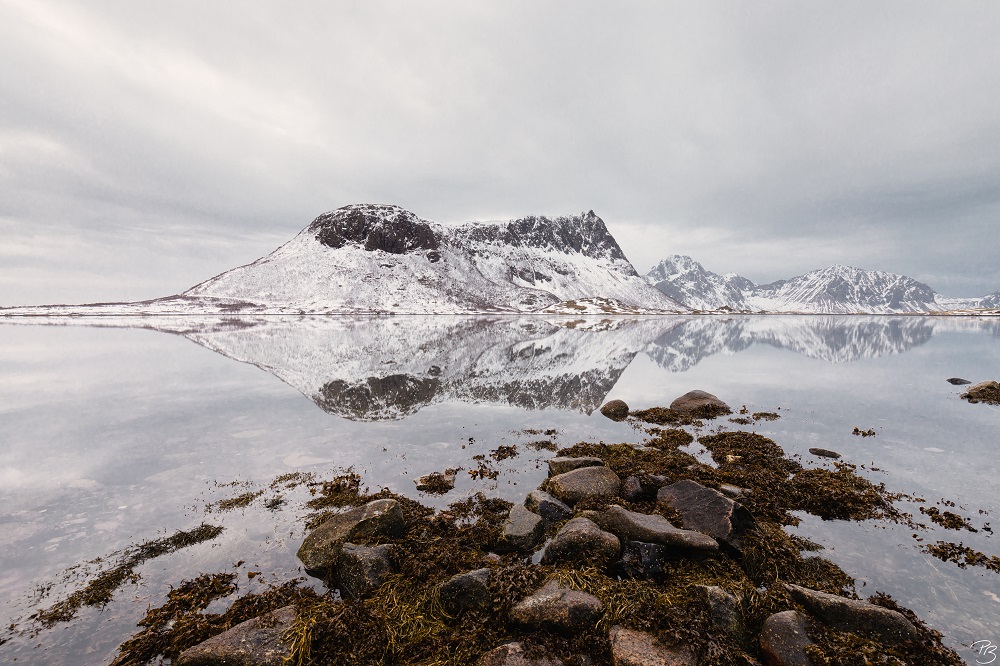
321,549
361,569
522,531
581,540
859,617
708,511
633,526
557,608
616,410
637,648
547,506
437,482
958,381
562,465
466,591
824,453
256,642
700,404
783,640
585,482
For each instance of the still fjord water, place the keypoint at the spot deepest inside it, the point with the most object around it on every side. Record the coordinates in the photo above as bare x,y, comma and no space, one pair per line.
113,435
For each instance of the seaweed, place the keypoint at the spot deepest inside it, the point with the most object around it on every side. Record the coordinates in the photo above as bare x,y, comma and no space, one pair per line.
962,555
947,519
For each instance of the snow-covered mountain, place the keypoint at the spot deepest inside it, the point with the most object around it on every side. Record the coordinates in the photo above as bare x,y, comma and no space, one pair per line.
686,281
837,289
380,258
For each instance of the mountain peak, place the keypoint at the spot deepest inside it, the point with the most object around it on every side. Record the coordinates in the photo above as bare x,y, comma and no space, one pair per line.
383,227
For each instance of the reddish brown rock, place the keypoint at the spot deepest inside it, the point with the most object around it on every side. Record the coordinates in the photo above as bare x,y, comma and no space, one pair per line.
708,511
700,404
579,484
783,640
636,648
557,608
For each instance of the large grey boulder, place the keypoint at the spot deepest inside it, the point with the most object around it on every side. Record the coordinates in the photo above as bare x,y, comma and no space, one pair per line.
256,642
360,569
512,654
321,549
522,531
632,526
562,465
583,483
581,540
616,410
708,511
557,608
465,591
783,640
700,404
547,506
856,616
637,648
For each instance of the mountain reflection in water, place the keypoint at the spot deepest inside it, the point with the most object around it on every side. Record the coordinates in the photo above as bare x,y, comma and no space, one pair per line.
384,368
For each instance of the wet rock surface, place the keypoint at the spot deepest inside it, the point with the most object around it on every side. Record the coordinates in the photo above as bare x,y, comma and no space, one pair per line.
584,483
547,506
466,591
362,569
855,616
708,511
700,404
437,482
636,648
562,465
256,642
616,410
581,540
557,608
824,453
958,381
522,531
988,392
783,640
321,549
652,528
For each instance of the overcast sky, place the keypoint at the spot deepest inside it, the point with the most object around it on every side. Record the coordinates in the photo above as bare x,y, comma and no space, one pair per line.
147,146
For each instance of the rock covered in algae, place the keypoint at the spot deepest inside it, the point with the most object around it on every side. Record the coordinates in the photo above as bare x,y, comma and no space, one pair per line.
723,609
783,639
512,654
652,528
636,648
860,617
708,511
584,483
581,540
557,608
256,642
437,482
700,404
562,465
321,549
361,569
988,392
522,531
616,410
465,591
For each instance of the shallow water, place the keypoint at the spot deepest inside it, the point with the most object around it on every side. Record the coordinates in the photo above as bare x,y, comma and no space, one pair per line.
115,435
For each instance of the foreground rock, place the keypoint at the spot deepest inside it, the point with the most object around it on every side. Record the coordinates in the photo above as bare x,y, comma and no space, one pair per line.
708,511
636,648
632,526
988,392
256,642
700,404
547,506
859,617
522,531
361,570
783,640
583,483
321,549
581,540
558,608
512,654
562,465
466,591
616,410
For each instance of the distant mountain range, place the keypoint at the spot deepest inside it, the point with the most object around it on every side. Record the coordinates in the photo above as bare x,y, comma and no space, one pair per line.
834,290
382,259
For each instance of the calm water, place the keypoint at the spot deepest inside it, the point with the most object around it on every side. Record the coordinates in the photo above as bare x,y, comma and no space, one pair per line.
112,435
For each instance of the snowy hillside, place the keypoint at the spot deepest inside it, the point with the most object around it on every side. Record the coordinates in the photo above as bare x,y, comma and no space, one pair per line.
686,281
376,258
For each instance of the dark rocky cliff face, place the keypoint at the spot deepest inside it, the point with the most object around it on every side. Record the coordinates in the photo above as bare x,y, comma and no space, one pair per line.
375,227
586,234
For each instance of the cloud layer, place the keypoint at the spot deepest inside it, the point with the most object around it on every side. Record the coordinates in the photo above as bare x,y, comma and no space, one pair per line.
147,146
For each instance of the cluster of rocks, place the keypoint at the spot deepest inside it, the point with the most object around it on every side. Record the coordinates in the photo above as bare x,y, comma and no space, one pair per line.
988,392
620,541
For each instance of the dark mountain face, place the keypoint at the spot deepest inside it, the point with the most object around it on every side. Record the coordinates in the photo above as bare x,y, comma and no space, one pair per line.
586,234
375,227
